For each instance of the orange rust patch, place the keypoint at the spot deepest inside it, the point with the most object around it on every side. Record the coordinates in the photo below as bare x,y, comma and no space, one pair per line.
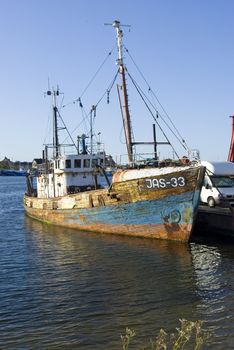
162,231
82,217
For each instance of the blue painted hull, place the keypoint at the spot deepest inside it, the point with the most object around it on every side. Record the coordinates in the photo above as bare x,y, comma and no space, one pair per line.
169,209
168,218
159,206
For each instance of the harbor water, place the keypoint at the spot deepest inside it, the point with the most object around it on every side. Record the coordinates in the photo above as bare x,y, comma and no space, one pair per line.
62,289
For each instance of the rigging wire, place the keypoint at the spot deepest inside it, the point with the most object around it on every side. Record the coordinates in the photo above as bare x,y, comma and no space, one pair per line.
158,114
101,98
92,79
61,103
85,117
152,92
107,92
66,129
147,106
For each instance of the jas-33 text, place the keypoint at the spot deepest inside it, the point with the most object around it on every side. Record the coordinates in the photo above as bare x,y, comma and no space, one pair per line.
163,183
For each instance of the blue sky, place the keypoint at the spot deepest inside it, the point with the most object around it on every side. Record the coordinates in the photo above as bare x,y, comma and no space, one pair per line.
185,49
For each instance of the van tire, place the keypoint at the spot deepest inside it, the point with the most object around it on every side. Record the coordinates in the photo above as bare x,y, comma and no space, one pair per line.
211,202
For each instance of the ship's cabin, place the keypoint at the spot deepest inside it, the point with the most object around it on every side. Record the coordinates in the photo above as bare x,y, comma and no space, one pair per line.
72,174
80,163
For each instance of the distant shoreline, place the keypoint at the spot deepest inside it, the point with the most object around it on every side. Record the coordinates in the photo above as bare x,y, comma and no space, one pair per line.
7,165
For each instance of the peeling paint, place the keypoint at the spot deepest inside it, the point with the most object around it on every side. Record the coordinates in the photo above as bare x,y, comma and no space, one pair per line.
125,209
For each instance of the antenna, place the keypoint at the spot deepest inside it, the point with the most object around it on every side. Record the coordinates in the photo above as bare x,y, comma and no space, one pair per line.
54,93
119,32
117,23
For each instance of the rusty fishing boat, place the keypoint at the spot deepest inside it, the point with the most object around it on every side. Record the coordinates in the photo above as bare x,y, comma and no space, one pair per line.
144,198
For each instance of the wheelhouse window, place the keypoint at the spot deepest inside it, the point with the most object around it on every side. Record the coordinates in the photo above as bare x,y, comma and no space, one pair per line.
77,163
57,164
68,163
94,162
86,163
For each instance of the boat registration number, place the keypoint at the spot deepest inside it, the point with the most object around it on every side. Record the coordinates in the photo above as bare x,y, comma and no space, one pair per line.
170,182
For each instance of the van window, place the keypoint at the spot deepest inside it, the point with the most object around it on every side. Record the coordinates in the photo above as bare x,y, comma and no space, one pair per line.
222,181
68,163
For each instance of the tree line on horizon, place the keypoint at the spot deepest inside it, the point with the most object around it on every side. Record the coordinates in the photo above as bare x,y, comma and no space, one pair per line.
6,163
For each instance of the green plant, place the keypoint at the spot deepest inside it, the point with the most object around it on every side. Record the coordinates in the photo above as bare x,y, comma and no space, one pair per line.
190,332
129,334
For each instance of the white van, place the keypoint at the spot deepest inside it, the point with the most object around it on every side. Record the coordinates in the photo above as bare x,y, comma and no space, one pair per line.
218,184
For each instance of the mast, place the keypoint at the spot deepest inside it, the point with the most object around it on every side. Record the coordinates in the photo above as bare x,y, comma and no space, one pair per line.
122,69
92,116
54,94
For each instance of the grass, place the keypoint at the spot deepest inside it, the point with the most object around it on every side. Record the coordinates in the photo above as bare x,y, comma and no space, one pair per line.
190,334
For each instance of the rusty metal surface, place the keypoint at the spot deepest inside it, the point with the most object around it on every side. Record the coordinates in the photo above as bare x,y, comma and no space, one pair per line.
172,231
138,207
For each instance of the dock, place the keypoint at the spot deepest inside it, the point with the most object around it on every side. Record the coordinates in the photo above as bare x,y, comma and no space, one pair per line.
217,221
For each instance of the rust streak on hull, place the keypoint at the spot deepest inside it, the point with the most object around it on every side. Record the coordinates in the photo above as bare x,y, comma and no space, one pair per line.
127,208
162,231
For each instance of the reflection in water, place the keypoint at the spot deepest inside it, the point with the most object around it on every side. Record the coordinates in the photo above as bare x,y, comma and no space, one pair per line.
215,288
139,281
114,281
207,261
63,289
64,236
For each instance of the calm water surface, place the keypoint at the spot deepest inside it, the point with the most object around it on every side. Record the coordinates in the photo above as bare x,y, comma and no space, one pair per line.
62,289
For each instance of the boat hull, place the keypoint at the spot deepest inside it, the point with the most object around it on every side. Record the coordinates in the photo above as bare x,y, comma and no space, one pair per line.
128,208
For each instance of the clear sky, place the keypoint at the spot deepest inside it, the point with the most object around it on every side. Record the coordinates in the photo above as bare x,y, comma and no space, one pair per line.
184,48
